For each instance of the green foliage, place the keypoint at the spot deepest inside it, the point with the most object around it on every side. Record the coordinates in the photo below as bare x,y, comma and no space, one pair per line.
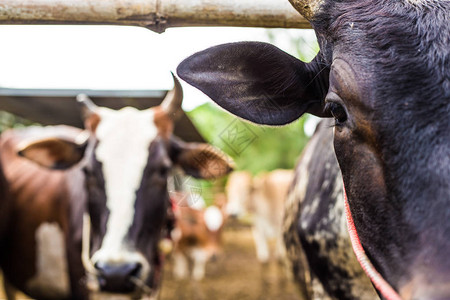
299,43
8,120
254,148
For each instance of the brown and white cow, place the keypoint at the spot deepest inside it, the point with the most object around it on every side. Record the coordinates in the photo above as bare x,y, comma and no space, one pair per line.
263,197
238,190
383,74
98,224
197,237
34,249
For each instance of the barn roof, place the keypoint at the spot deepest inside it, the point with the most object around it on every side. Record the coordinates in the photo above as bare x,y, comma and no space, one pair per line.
58,106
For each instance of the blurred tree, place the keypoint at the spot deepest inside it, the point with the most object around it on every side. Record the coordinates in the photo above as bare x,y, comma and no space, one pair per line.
301,43
254,148
8,120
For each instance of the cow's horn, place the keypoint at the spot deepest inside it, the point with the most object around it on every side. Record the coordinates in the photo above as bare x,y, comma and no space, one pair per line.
172,103
87,103
307,8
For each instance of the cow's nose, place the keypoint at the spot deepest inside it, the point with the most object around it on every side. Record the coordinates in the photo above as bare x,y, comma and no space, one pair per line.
233,216
214,257
117,277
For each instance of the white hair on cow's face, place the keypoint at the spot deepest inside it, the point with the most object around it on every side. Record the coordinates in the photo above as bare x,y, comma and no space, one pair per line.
213,218
124,138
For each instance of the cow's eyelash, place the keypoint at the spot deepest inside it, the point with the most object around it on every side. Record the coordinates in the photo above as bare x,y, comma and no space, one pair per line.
325,109
337,111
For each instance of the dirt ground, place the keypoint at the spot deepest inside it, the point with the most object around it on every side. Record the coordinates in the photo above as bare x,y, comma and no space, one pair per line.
236,275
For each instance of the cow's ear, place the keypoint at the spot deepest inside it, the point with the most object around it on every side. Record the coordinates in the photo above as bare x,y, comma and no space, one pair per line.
257,81
200,160
53,153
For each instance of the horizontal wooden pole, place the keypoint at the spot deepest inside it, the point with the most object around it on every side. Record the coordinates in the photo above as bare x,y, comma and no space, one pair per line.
156,15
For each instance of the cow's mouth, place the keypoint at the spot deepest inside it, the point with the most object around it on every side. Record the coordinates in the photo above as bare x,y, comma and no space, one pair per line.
135,288
128,280
113,296
100,287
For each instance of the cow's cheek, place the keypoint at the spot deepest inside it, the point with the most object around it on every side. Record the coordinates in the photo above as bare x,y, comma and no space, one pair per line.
365,185
362,170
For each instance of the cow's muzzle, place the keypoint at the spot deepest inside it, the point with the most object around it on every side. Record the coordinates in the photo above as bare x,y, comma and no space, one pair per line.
117,278
126,276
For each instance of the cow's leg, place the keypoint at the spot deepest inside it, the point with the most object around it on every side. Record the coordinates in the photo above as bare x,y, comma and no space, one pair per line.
281,256
280,249
199,257
10,290
262,247
180,265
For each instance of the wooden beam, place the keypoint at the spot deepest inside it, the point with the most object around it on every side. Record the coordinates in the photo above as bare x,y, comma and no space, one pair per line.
156,15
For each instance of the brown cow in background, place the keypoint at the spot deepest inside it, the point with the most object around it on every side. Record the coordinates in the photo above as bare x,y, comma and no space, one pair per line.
263,197
95,228
197,236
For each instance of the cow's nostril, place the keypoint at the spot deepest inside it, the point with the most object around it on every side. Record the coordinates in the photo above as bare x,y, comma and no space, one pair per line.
214,257
116,277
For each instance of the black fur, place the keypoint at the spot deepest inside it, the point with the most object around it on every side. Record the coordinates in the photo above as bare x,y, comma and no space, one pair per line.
387,64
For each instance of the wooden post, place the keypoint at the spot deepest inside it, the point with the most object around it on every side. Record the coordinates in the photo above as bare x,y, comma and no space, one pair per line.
156,15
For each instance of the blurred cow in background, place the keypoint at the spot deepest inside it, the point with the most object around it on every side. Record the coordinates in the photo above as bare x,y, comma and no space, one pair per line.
197,236
95,228
263,197
238,191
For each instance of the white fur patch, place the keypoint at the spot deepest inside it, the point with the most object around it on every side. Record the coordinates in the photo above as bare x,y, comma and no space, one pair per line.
199,257
52,278
124,139
213,218
418,2
180,265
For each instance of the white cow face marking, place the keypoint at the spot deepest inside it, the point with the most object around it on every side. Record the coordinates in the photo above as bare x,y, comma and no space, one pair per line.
118,181
124,139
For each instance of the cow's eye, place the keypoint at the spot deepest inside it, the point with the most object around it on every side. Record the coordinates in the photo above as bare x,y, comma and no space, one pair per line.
338,112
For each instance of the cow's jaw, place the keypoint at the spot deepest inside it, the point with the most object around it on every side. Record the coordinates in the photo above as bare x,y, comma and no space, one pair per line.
124,138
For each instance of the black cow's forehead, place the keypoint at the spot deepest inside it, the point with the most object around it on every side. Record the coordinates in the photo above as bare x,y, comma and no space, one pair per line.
400,50
406,46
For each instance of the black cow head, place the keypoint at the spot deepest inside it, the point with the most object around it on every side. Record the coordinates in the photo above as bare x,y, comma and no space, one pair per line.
128,155
383,74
